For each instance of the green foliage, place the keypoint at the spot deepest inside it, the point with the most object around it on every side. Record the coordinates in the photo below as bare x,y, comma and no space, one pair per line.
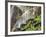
32,24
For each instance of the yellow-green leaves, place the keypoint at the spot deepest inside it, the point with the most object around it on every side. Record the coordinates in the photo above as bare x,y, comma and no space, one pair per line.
32,25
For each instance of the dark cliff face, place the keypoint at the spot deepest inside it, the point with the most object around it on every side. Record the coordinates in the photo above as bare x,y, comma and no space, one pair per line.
18,11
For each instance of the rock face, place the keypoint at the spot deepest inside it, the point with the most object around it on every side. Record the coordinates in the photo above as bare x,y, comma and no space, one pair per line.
23,13
15,12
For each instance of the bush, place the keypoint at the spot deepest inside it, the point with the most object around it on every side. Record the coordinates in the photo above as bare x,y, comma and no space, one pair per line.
32,24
